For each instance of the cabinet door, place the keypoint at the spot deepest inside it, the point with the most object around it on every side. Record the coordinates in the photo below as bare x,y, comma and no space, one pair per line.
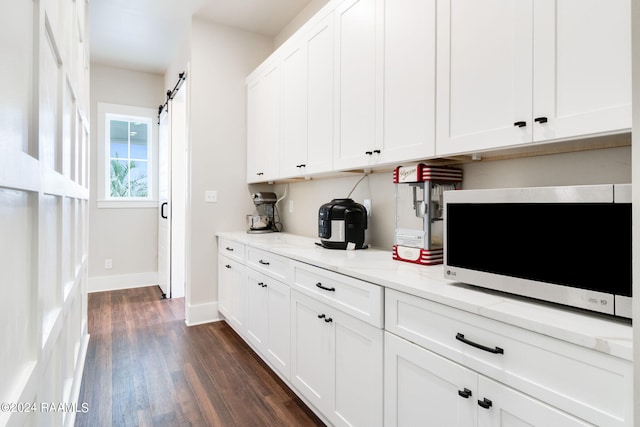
294,112
263,126
256,310
358,372
358,81
582,59
510,408
422,388
238,315
484,74
312,350
320,97
225,279
409,79
278,348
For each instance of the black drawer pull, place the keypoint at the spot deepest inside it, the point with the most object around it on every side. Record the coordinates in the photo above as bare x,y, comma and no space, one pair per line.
485,403
466,393
376,151
369,153
229,249
319,285
227,265
262,284
263,262
320,316
541,120
495,350
520,124
328,320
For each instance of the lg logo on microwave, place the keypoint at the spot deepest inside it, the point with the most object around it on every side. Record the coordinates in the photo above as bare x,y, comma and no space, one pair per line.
451,273
597,301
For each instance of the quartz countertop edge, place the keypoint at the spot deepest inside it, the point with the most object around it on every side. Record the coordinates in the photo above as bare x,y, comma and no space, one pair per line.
607,335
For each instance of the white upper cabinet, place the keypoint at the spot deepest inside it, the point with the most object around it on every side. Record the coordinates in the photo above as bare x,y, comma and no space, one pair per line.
518,71
358,83
307,103
263,125
409,35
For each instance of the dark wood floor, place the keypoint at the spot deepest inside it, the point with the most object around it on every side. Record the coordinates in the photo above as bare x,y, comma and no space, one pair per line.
145,367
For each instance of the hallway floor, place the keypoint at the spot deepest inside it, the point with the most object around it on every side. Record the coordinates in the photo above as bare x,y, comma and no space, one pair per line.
145,367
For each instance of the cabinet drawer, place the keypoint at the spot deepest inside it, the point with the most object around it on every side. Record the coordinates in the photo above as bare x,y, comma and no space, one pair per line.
590,384
360,299
231,249
271,264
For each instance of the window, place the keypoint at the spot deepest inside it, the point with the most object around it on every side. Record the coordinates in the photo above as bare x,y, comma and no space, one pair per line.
127,143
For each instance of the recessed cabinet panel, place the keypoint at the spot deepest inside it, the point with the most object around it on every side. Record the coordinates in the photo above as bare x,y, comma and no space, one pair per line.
320,97
421,386
582,60
294,112
356,79
409,79
485,74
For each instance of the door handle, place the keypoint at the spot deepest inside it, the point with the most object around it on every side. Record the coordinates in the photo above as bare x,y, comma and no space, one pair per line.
162,214
495,350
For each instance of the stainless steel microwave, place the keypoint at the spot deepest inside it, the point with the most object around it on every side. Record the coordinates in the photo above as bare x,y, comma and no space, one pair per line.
568,245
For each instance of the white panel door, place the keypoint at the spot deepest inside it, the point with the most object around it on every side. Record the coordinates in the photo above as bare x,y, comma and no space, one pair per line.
164,195
357,79
505,407
485,71
257,309
582,67
278,350
320,97
409,79
421,386
294,112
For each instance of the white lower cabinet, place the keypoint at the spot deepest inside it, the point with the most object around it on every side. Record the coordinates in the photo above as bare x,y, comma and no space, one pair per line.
232,292
268,319
336,362
423,388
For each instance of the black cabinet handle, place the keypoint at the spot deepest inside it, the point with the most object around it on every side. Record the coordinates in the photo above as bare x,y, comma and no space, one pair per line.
263,262
368,153
328,320
466,393
228,266
229,249
540,120
260,173
376,151
520,124
321,316
162,214
485,403
319,285
262,284
495,350
301,165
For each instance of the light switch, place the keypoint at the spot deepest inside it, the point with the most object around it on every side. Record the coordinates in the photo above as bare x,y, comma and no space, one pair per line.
210,196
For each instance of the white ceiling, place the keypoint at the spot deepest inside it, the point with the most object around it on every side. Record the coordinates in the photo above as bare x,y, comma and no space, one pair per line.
145,34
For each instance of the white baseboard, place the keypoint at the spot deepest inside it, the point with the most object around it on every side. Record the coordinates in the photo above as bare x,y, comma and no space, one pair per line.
122,281
197,314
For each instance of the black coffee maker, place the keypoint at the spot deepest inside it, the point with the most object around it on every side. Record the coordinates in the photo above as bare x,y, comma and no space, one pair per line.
342,222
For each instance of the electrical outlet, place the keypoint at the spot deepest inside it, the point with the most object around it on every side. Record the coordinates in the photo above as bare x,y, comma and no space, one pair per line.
210,196
367,205
108,263
290,206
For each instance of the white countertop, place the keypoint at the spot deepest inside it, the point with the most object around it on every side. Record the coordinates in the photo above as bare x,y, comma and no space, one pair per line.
605,334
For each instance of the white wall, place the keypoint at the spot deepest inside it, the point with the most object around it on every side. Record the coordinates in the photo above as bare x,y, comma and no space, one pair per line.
587,167
312,8
220,60
129,237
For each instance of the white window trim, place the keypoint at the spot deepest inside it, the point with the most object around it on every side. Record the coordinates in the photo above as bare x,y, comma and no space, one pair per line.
103,200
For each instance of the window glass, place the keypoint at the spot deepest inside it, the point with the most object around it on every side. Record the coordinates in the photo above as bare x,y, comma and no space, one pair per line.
129,144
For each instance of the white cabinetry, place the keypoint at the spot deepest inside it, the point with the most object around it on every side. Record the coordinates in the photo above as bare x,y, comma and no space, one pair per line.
307,102
268,319
460,359
336,362
522,71
232,286
409,42
358,98
263,124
